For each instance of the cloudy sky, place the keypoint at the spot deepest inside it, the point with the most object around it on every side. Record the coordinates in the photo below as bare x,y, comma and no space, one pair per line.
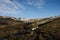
30,8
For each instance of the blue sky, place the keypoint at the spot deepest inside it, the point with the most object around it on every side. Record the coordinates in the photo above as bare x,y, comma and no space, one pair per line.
30,8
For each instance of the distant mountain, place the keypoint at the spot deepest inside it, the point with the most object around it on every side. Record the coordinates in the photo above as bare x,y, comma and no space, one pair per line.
12,28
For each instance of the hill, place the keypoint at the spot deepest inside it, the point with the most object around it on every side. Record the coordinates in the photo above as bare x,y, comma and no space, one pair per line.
35,29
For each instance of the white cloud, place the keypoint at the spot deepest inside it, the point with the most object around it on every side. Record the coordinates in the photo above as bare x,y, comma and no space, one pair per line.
14,7
36,3
7,6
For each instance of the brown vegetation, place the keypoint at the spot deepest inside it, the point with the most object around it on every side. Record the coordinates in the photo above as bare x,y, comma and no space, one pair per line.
11,29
